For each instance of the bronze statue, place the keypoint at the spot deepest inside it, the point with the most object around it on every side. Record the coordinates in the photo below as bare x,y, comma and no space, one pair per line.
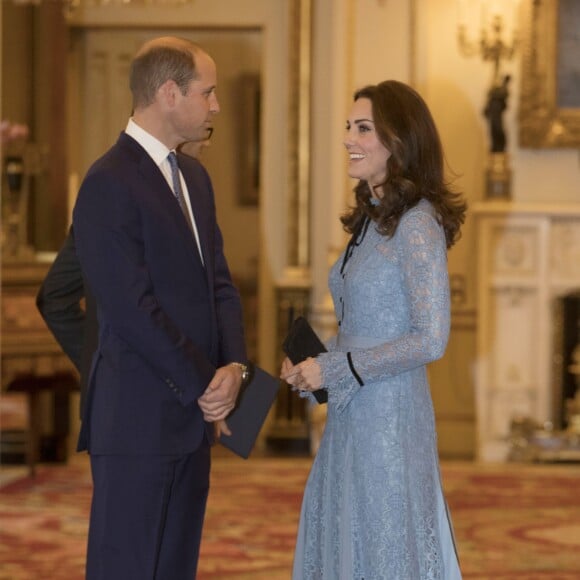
496,105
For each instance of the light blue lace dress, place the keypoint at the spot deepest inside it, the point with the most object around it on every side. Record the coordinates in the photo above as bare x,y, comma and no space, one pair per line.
373,506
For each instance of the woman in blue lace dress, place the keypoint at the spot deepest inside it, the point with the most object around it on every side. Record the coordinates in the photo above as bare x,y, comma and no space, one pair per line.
373,506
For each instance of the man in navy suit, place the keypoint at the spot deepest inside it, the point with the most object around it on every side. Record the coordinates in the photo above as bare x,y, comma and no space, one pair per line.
170,357
61,295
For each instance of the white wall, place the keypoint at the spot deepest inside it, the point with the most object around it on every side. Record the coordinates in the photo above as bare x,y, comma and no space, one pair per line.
239,223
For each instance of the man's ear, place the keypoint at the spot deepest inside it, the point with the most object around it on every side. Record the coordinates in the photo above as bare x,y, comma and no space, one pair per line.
167,93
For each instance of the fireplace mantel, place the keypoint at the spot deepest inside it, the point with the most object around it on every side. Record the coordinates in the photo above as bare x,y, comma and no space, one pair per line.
528,255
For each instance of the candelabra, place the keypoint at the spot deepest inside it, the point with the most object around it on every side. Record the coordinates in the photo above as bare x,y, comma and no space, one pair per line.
492,47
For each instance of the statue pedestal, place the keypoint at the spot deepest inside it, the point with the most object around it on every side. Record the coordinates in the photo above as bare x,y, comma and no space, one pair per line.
498,177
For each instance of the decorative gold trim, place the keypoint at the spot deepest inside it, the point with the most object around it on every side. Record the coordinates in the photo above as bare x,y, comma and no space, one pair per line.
542,123
299,115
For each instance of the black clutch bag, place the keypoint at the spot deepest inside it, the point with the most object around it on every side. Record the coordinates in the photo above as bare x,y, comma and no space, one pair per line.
249,414
302,342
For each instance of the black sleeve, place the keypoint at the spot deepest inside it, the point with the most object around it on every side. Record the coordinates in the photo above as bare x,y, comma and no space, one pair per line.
59,301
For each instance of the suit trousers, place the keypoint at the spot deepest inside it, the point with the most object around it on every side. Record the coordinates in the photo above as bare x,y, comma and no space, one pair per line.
147,515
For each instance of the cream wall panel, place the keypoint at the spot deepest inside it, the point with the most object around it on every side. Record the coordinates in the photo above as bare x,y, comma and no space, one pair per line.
564,252
382,41
514,344
452,388
106,103
518,253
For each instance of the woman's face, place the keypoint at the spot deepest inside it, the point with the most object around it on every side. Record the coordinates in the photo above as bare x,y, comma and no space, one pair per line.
368,156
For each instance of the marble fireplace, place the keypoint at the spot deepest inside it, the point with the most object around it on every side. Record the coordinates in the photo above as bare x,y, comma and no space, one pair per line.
528,260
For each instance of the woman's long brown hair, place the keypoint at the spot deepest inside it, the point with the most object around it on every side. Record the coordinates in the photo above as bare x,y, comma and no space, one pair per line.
415,171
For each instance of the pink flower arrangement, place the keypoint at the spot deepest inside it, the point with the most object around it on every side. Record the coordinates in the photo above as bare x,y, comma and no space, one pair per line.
12,132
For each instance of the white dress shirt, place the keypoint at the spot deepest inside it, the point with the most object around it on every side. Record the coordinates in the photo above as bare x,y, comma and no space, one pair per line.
159,152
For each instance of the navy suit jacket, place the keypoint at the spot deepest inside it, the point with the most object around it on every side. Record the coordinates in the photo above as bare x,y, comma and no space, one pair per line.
166,321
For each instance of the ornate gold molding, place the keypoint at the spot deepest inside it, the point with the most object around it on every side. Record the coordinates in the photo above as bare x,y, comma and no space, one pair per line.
542,123
299,116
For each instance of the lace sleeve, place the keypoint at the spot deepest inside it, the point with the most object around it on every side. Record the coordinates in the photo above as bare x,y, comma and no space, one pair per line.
422,253
330,343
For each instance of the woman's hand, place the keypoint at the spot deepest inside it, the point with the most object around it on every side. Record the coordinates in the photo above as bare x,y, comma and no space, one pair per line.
305,376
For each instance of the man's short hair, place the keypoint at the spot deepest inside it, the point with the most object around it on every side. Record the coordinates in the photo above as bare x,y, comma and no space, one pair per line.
154,66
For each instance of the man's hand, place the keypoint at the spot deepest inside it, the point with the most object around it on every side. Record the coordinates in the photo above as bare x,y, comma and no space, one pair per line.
221,427
221,393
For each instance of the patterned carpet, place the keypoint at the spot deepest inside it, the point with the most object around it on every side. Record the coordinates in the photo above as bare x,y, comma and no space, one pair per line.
511,522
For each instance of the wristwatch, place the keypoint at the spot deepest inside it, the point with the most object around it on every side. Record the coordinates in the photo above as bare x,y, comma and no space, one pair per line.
245,371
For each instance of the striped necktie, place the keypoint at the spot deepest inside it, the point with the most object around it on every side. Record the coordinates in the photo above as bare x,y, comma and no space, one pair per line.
177,191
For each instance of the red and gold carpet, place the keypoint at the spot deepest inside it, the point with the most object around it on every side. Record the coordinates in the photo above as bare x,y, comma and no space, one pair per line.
511,521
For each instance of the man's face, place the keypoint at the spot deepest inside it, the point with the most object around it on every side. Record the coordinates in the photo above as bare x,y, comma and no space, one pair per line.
194,111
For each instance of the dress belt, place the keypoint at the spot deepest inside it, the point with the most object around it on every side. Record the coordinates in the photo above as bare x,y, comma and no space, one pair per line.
346,341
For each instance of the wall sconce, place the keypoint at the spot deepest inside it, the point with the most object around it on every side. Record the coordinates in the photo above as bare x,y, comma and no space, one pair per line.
497,20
